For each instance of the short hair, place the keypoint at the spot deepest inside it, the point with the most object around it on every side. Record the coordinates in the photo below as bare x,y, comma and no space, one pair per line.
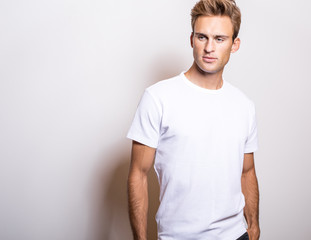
218,8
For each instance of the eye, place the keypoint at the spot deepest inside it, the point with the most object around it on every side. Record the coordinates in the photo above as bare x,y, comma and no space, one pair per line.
201,37
220,39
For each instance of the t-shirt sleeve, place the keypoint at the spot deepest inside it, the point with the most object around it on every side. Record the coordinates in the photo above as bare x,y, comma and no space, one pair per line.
145,127
251,144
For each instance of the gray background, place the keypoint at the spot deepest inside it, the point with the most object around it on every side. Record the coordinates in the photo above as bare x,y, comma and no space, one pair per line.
71,76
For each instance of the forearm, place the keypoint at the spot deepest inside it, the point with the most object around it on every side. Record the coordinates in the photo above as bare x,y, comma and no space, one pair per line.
138,204
251,194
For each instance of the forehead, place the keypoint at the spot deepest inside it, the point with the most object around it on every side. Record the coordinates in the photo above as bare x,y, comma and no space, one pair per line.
215,25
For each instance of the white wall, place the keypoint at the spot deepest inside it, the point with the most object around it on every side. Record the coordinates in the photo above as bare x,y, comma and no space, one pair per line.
71,76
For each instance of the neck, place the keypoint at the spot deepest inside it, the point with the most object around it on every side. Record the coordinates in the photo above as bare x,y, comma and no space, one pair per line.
203,79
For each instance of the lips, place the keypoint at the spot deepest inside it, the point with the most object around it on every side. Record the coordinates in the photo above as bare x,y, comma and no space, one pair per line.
209,59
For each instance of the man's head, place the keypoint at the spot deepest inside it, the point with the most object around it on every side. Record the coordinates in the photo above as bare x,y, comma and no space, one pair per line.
215,25
218,8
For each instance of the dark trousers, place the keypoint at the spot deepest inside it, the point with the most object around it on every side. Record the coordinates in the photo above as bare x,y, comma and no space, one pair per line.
244,237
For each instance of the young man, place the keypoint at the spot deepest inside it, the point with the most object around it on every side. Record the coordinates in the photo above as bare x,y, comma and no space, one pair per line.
200,132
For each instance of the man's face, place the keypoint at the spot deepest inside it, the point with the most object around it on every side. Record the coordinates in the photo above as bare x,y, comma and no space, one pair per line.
212,43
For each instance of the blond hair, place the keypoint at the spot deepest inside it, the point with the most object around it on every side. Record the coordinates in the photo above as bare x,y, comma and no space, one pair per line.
218,8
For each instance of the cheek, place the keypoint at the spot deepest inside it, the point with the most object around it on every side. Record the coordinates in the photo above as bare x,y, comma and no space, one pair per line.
198,46
196,50
225,52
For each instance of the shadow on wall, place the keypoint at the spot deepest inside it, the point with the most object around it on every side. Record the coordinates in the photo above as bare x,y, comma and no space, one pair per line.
166,65
109,212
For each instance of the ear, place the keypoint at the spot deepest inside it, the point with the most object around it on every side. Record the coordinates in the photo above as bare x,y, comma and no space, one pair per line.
236,45
191,39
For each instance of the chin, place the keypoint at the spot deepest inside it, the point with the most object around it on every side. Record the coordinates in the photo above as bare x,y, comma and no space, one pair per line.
208,70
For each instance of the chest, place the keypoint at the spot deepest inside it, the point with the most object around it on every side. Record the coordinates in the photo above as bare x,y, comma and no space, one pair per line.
209,119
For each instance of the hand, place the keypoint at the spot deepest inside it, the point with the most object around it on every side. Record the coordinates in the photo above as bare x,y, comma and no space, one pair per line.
253,233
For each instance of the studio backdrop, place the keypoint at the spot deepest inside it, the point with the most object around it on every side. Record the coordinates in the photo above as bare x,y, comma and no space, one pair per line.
71,76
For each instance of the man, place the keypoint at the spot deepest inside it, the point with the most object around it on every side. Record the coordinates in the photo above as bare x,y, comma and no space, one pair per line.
200,132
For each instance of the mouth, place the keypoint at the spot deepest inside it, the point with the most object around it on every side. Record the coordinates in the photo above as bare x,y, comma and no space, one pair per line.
209,59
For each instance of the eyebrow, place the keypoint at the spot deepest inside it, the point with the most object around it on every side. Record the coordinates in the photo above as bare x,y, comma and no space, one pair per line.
216,36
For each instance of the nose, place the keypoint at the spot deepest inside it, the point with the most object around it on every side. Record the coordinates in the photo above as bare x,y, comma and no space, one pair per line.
209,46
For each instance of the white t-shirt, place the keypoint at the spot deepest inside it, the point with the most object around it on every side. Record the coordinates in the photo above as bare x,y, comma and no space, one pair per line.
201,136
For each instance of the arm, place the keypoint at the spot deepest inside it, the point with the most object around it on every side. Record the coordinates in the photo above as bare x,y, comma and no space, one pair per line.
141,162
251,194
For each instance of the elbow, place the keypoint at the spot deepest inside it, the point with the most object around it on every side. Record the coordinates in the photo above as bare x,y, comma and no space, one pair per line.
136,177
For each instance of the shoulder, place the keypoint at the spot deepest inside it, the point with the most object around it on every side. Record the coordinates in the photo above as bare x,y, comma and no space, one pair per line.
239,95
164,87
